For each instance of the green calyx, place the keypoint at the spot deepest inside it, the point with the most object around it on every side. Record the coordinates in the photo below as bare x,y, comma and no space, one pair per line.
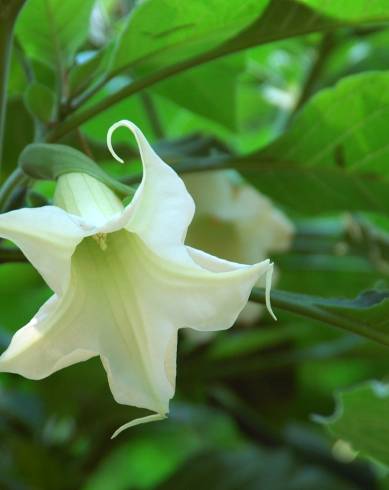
48,162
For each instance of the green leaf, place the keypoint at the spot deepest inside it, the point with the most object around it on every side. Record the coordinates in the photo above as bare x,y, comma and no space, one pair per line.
351,10
209,90
85,75
279,20
238,25
334,156
361,419
40,101
48,162
171,30
17,81
366,315
52,30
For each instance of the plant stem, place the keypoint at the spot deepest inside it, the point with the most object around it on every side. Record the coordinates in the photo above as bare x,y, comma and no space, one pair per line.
134,87
152,114
314,308
325,48
6,28
8,14
17,177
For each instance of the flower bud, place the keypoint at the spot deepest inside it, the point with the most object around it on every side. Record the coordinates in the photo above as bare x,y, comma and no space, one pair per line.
48,162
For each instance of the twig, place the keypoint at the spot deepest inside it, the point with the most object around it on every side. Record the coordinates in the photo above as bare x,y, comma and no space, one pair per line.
152,114
8,14
325,48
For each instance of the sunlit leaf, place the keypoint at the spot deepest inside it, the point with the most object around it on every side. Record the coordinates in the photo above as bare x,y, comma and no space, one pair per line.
170,30
335,154
52,30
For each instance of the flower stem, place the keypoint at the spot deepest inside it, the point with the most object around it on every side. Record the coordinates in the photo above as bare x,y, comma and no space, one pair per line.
8,13
152,114
322,310
325,49
18,177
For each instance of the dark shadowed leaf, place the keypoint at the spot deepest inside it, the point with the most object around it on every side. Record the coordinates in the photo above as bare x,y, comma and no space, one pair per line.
40,101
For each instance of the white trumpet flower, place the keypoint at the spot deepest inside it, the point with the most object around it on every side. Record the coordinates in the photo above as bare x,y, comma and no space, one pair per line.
124,282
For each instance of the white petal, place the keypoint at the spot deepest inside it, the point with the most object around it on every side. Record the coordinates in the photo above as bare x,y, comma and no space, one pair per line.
55,338
136,344
48,237
142,420
222,291
84,196
207,295
162,208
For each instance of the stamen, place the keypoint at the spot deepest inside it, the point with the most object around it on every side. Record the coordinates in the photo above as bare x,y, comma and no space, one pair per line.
101,239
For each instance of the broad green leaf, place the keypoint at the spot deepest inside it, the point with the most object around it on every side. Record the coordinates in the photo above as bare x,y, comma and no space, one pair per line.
366,315
170,53
335,154
361,419
40,101
52,30
342,127
350,10
288,18
171,30
239,25
209,90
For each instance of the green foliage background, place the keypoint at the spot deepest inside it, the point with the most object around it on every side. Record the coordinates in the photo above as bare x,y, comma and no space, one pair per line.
293,94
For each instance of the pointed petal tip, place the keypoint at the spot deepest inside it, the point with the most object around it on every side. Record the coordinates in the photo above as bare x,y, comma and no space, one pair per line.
141,420
269,274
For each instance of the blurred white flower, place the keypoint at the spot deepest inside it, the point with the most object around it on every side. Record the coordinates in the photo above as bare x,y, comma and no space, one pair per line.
236,222
123,282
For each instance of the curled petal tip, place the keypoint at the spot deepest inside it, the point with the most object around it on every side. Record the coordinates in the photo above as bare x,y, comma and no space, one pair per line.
142,420
110,132
269,274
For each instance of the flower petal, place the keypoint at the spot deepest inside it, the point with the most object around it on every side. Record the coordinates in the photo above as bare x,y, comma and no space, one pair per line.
55,338
137,346
207,295
217,295
86,197
48,237
162,208
141,420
